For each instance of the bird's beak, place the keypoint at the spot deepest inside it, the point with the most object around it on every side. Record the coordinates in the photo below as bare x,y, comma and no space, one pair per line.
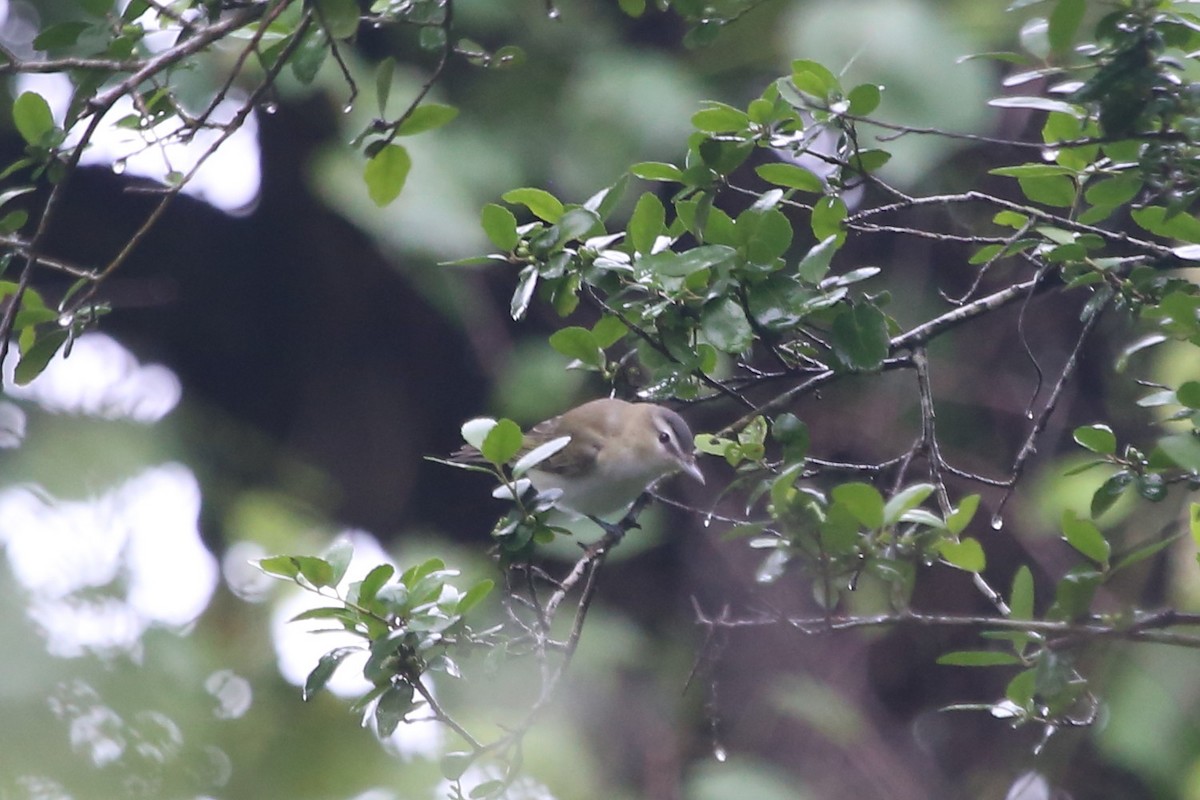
692,469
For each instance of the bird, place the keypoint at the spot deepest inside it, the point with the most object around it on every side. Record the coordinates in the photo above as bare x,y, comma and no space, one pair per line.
617,449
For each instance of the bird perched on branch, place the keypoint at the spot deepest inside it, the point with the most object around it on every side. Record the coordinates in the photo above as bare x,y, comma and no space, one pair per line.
616,451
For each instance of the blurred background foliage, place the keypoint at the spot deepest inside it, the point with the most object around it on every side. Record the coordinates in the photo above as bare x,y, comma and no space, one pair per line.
281,368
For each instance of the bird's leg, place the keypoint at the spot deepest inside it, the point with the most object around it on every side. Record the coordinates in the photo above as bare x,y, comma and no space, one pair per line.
615,531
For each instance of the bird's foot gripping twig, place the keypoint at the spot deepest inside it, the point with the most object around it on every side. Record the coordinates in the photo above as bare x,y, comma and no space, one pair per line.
614,532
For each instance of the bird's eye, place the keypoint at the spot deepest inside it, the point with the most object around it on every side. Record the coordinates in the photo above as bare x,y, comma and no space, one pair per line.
664,437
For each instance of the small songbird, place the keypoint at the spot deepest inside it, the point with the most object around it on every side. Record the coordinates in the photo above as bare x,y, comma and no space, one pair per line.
617,449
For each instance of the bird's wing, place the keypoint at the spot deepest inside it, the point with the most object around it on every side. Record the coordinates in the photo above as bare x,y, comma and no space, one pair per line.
573,459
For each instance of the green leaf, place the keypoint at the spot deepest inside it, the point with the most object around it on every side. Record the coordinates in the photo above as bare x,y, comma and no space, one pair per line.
1183,449
393,706
1021,689
385,174
1021,600
670,264
502,442
339,17
60,35
814,79
860,338
828,214
1115,191
865,161
815,264
864,99
474,596
374,580
426,117
771,237
316,571
863,501
657,171
1051,190
633,8
1110,491
608,331
35,359
958,519
280,566
326,666
338,555
1194,522
1084,536
648,220
578,343
1032,171
724,324
1037,104
792,434
792,176
541,203
307,59
905,500
1073,594
1064,22
500,226
1097,438
966,554
1146,551
384,74
453,765
978,658
720,118
32,117
1189,394
1156,220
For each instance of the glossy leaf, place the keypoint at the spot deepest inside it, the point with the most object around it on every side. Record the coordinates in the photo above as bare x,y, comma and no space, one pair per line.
326,666
1097,438
815,264
725,326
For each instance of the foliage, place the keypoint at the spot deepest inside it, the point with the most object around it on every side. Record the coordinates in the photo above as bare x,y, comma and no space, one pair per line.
726,277
712,300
